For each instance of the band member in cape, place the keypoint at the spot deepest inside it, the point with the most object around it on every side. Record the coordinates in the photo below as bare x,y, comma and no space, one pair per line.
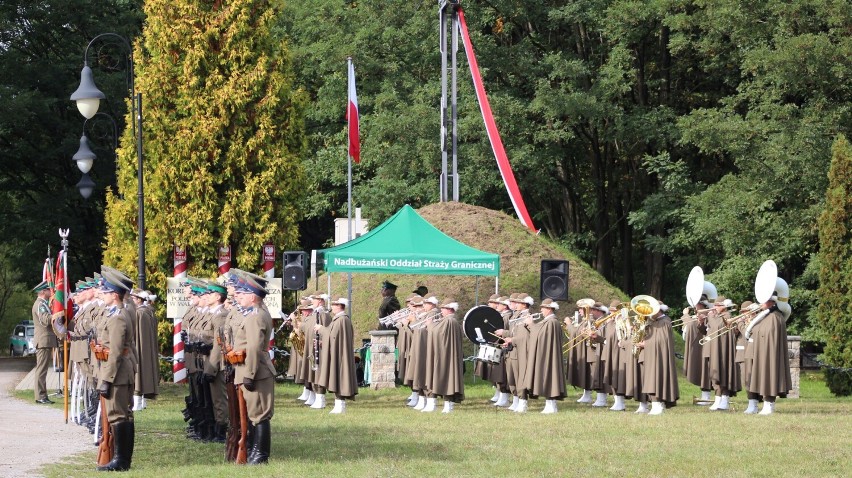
740,356
657,361
504,400
403,341
309,367
577,369
116,366
337,374
770,365
297,348
496,373
298,338
695,367
44,339
594,355
514,341
545,374
147,350
724,373
255,376
444,367
213,370
415,370
614,377
390,303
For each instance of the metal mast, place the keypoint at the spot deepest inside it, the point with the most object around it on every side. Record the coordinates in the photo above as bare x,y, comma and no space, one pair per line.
449,19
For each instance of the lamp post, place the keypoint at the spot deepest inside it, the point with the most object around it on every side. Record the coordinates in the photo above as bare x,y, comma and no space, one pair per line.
88,98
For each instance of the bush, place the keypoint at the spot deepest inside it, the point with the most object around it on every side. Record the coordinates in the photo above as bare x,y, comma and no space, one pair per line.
839,381
835,275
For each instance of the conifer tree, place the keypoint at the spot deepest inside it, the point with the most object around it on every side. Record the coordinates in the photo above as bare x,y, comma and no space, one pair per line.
835,276
223,138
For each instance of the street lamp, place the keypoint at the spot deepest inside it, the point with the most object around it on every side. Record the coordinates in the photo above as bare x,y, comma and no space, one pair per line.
84,156
88,98
86,186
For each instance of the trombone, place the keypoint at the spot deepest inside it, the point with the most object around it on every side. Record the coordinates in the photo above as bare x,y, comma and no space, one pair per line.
731,325
691,318
592,327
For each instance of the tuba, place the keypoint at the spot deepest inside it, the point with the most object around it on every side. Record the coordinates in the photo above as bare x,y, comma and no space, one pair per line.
644,306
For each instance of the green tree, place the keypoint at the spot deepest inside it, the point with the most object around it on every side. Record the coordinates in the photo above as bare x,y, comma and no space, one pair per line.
772,135
41,54
834,308
224,138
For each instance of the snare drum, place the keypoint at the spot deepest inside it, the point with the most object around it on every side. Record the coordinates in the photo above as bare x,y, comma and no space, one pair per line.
489,353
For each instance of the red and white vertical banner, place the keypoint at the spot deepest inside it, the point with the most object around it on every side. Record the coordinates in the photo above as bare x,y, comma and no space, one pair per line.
269,260
178,367
269,273
491,129
352,117
224,258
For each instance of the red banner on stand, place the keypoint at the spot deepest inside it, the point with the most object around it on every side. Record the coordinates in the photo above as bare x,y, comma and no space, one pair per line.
493,134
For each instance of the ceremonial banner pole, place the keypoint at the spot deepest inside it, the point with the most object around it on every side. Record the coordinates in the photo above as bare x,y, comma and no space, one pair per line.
354,151
63,233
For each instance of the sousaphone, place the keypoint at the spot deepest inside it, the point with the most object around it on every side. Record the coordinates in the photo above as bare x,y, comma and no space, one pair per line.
696,287
767,285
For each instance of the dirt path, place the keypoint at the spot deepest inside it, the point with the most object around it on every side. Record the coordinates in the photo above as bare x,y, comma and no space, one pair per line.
32,435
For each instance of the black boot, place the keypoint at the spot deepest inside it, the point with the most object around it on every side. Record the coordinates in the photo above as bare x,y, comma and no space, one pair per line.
262,441
251,442
209,431
123,437
219,433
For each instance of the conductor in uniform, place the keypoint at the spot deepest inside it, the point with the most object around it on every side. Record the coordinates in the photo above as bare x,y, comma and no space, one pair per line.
45,340
256,374
116,371
390,303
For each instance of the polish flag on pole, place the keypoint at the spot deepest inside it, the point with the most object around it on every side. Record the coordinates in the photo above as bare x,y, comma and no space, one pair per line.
352,118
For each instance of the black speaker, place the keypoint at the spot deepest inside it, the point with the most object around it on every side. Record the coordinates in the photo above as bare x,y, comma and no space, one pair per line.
295,277
554,279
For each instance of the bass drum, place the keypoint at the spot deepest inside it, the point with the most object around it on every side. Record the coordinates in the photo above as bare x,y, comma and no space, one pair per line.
480,323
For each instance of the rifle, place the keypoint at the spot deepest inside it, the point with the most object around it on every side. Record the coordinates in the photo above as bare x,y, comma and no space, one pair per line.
231,442
106,447
242,453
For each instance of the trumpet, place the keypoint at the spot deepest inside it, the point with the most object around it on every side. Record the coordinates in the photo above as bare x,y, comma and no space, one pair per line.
395,317
522,317
730,325
435,316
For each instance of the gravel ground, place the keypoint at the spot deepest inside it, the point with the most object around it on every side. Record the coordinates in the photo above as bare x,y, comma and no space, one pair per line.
32,435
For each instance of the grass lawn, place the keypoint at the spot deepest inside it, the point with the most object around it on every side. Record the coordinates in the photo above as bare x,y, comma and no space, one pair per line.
379,436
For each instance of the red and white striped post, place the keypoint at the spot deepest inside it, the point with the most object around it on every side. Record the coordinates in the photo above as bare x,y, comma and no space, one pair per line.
178,367
269,260
224,258
269,273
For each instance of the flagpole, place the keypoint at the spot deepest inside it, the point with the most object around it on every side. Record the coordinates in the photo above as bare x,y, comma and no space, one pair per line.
64,265
349,71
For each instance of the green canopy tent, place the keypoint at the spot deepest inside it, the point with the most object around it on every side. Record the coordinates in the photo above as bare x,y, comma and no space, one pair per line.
408,244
